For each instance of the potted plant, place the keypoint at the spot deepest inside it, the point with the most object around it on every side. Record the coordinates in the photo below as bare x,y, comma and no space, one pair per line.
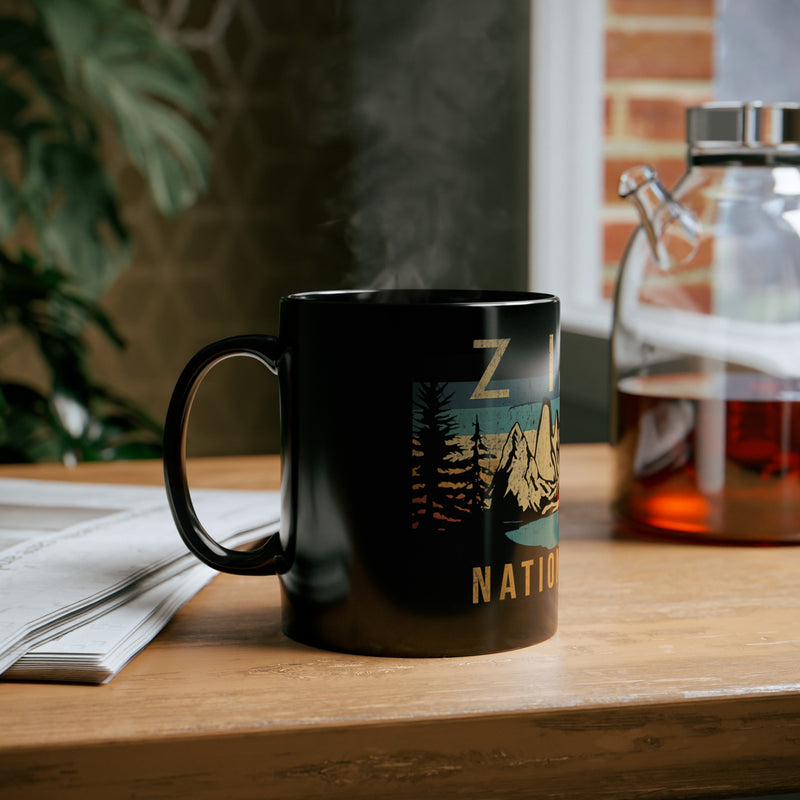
70,71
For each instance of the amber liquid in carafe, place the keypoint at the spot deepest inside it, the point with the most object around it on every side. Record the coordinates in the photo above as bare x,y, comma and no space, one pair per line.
709,457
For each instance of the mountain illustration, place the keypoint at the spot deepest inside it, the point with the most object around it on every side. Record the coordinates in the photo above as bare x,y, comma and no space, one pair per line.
546,450
525,483
464,482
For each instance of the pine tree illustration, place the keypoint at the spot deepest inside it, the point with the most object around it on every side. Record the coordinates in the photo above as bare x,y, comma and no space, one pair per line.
477,484
434,449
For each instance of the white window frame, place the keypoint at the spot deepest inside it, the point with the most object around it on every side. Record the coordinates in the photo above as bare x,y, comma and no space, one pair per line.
566,167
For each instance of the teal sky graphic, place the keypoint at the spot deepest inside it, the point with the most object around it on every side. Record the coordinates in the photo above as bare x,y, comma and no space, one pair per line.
498,415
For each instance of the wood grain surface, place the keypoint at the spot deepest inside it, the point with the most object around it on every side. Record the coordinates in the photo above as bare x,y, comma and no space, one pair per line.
674,674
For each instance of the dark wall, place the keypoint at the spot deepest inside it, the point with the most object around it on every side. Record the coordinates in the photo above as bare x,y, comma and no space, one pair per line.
584,388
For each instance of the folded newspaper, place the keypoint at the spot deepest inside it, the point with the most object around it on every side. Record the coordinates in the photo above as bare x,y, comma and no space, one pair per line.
89,573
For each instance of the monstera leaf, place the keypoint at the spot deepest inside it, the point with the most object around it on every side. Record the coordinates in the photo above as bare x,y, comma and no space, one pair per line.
73,65
72,204
111,53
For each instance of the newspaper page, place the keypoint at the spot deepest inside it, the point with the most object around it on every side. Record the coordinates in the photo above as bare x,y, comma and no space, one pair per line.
90,572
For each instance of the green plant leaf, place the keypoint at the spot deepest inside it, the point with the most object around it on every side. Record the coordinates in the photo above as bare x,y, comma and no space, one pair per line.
74,209
32,74
148,86
42,303
34,427
12,103
23,42
28,431
9,207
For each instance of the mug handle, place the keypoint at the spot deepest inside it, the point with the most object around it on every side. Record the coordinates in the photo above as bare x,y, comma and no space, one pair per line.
264,560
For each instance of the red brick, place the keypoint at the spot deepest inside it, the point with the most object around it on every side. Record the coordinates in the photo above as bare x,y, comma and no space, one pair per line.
668,169
657,119
699,263
663,8
659,54
689,296
615,239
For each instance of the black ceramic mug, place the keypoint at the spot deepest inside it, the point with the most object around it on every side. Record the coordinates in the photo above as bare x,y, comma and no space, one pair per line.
420,440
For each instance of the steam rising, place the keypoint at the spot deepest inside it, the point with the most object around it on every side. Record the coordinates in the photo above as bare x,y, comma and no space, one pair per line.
438,177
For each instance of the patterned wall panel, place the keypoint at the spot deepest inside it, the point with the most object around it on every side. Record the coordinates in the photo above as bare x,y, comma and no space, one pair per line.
263,230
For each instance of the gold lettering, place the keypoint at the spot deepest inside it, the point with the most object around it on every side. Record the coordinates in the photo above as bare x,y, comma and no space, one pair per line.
481,584
508,586
481,392
526,565
482,579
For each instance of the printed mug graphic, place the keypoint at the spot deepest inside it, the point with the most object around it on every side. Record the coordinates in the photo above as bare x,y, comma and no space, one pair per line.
485,456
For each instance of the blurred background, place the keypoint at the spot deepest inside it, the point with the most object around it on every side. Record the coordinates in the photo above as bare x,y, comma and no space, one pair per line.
364,143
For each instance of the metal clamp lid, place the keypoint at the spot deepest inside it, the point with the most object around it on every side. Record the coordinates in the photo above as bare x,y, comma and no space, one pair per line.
743,125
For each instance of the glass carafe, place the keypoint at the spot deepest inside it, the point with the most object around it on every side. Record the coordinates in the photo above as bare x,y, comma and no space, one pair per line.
706,339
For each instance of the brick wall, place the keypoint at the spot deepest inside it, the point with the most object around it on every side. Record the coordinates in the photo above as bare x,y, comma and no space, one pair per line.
659,61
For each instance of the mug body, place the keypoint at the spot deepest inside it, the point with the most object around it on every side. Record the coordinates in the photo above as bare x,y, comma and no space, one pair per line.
420,440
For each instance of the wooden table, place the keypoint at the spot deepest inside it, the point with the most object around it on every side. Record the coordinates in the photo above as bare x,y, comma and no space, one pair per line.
675,673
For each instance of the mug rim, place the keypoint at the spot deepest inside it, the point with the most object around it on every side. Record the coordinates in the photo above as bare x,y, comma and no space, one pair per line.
423,297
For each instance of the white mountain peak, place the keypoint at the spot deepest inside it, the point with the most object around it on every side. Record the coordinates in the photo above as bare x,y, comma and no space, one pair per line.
528,476
545,450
